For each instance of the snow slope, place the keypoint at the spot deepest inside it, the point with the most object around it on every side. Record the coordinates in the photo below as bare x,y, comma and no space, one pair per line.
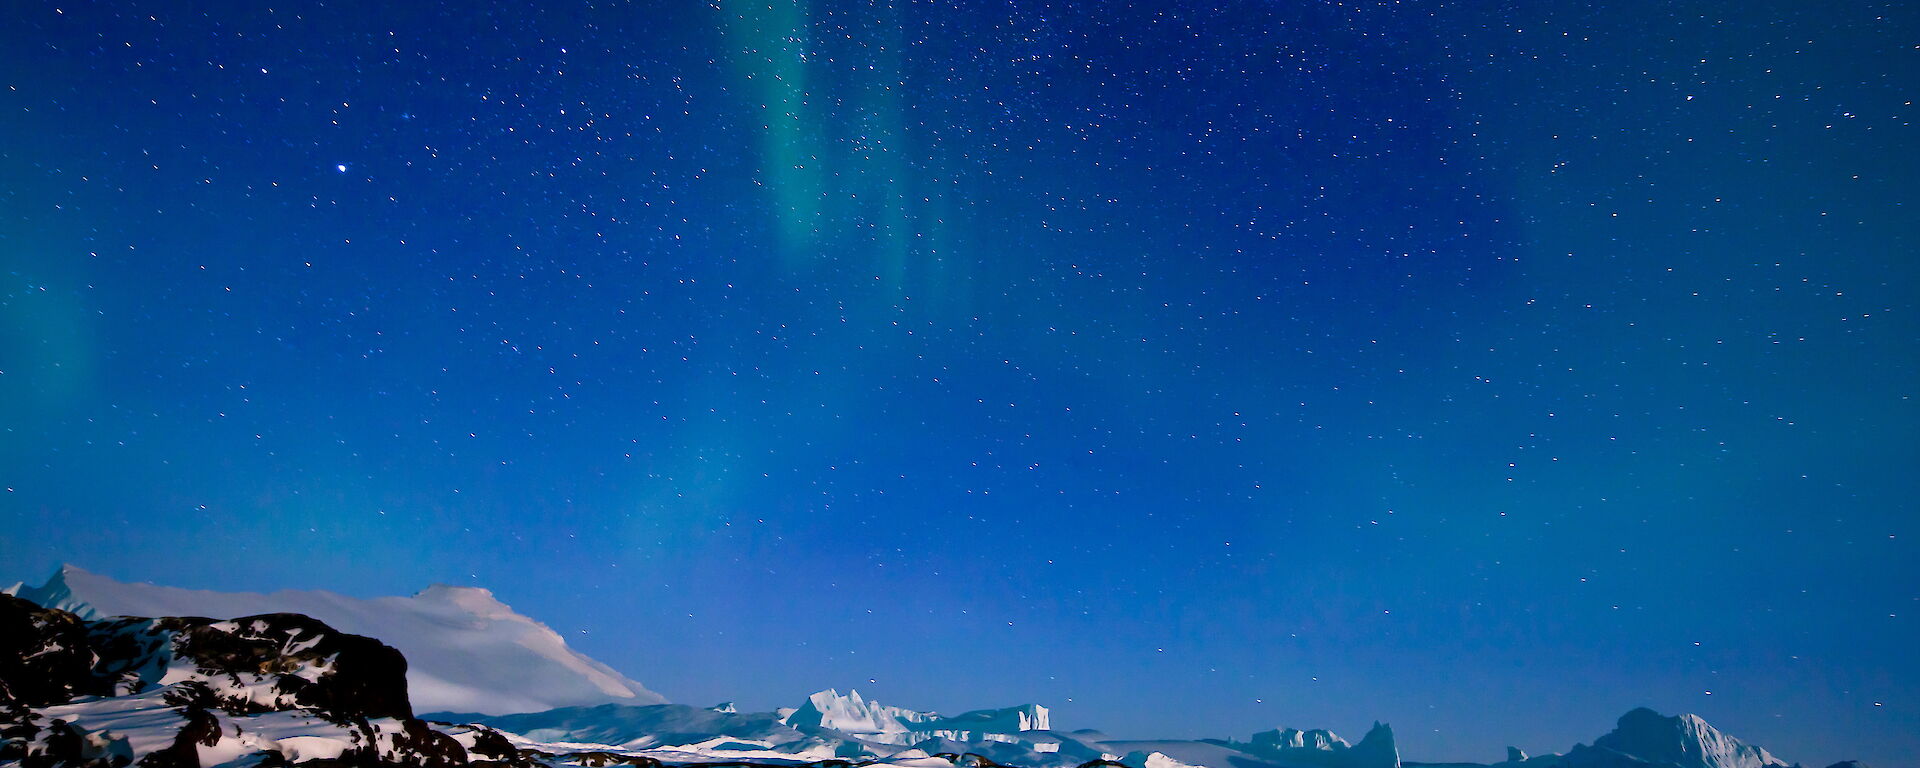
636,727
828,725
852,727
466,651
854,716
1644,736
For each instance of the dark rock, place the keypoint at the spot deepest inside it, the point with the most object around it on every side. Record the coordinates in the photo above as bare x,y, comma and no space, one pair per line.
488,743
976,760
598,759
202,728
423,747
50,656
45,657
367,678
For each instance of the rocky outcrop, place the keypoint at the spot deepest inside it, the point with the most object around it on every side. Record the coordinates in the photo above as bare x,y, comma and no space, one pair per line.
469,651
45,655
303,663
176,692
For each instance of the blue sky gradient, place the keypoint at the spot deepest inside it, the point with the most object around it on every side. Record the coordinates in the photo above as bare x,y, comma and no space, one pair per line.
1190,368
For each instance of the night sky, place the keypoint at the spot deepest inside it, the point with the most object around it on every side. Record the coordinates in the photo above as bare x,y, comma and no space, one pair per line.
1484,368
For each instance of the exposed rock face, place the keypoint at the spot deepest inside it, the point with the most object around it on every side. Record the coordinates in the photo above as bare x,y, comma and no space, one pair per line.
305,663
44,656
191,692
469,651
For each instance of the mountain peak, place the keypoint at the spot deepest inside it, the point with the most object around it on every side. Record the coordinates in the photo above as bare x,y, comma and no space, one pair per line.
1684,740
1377,749
855,715
476,600
466,650
57,592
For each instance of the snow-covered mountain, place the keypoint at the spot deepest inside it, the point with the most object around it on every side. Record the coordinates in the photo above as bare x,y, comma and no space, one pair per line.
466,651
857,717
1647,739
285,683
849,726
1683,740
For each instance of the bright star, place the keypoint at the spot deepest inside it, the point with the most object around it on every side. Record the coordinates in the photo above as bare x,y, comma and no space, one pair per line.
341,167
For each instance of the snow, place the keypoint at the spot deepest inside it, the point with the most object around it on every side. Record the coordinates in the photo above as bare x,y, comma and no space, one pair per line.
625,726
907,760
469,652
1294,738
1685,740
466,651
144,720
855,716
1154,759
1194,753
828,726
145,723
850,726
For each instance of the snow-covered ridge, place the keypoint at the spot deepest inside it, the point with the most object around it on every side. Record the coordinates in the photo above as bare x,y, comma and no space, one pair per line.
287,688
193,692
855,716
831,725
1685,741
467,651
